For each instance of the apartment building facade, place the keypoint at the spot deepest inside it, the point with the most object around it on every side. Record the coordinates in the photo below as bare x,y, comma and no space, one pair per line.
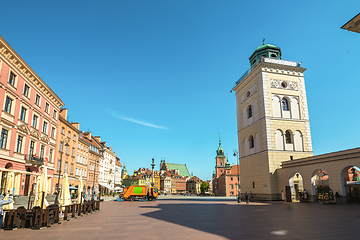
28,122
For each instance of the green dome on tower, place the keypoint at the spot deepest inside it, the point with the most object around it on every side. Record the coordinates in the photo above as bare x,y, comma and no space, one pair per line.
265,50
220,150
227,164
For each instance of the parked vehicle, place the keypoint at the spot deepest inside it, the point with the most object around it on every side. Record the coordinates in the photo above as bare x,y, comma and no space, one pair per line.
143,193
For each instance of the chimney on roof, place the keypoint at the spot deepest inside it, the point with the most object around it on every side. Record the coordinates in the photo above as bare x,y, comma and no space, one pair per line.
98,138
76,125
64,113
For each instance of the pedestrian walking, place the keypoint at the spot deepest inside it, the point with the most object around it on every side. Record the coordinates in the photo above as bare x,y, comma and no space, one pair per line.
247,197
2,203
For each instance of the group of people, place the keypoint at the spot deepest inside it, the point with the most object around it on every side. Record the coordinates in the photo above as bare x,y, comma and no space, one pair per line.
248,197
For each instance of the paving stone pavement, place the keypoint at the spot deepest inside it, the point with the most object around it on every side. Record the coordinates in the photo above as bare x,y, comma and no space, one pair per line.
205,218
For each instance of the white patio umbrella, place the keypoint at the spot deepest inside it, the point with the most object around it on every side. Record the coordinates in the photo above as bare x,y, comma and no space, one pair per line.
37,192
80,188
65,198
9,186
42,188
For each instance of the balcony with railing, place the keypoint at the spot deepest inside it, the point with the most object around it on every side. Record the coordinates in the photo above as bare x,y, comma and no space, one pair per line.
267,60
34,161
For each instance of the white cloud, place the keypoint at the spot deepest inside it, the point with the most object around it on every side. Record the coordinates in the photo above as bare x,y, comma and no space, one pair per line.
117,115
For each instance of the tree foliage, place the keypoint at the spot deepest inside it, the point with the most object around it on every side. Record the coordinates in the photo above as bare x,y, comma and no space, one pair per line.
204,187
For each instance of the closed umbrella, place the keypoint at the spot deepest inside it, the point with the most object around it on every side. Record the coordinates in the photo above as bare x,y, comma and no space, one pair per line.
65,198
42,189
9,187
37,192
80,188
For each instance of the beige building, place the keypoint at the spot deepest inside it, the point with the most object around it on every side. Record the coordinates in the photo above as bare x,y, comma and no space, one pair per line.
273,120
82,166
67,142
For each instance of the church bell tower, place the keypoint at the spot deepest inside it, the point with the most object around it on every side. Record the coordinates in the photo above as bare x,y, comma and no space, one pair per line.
272,120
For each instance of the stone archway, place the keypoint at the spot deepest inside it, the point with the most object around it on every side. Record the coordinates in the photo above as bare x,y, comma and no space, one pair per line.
296,183
350,183
320,182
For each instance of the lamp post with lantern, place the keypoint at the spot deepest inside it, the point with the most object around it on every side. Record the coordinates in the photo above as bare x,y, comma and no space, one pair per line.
236,154
66,141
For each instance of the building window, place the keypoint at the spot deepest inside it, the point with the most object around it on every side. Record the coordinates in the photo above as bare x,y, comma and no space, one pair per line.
37,99
54,114
12,78
231,178
71,168
285,104
61,146
78,157
231,186
46,107
251,141
288,136
52,132
62,130
77,171
8,104
34,123
44,127
32,146
3,139
19,144
42,151
69,134
74,138
26,90
51,155
22,114
73,152
249,111
65,170
67,149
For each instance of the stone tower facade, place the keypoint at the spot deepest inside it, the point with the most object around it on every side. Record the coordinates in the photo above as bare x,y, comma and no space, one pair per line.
272,120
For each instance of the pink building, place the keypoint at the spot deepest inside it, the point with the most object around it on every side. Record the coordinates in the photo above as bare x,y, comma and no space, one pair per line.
226,177
28,122
228,182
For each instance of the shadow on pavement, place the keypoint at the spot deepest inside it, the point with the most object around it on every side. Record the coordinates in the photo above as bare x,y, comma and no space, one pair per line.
297,221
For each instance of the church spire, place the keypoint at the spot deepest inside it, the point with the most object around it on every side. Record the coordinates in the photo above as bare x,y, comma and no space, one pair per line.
220,150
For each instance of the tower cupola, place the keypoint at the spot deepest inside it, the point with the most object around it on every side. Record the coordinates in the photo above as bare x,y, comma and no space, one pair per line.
265,50
220,150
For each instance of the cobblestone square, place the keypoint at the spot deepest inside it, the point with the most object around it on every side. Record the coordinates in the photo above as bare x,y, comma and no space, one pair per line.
205,218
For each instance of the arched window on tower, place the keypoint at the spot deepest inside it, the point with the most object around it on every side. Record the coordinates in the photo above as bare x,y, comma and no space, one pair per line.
251,142
288,137
285,104
249,111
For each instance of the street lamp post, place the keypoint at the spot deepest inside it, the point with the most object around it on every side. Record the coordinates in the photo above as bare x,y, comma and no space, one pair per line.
236,154
66,141
152,169
93,187
114,181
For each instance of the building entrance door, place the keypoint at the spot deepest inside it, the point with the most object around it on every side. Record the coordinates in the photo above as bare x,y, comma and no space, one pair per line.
27,183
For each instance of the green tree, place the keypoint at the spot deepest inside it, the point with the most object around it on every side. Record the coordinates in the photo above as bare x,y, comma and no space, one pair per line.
204,187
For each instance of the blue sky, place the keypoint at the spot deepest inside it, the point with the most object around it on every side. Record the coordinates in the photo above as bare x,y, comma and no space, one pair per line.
153,78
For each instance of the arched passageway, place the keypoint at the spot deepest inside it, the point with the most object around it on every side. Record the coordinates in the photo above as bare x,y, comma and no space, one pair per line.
350,183
296,184
320,185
